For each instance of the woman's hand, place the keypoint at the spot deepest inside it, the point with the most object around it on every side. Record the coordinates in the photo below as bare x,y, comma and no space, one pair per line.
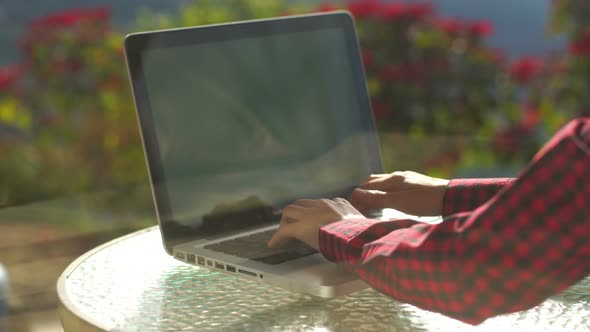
409,192
303,219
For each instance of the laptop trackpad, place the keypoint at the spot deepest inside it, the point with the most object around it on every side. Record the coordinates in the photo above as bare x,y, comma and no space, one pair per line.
254,247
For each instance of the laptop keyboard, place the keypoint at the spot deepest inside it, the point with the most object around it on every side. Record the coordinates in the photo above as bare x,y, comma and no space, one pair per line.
254,247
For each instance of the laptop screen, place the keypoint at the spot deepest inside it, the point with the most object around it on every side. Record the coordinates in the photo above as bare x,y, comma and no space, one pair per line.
244,126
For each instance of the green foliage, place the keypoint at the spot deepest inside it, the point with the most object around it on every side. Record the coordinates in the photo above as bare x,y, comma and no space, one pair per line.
69,115
445,103
214,11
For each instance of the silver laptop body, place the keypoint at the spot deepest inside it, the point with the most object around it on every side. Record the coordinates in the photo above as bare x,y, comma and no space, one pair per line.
239,120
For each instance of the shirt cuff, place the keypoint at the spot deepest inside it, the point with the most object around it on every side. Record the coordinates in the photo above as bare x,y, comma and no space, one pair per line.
336,240
343,241
584,134
464,195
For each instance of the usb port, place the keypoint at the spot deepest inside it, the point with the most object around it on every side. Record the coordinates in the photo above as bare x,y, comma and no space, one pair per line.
180,255
219,266
201,260
230,268
247,272
210,263
190,258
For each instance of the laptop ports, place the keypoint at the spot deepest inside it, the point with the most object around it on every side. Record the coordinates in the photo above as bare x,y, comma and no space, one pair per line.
230,268
180,255
201,260
190,258
246,272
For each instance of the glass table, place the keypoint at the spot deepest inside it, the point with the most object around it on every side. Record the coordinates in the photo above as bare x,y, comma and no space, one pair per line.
131,284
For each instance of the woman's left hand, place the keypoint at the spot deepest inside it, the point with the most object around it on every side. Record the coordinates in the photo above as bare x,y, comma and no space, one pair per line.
303,219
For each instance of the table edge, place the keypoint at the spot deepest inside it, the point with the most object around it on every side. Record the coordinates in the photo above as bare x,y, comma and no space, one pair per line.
68,314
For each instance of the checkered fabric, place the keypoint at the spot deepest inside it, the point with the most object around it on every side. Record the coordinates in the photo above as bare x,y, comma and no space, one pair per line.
464,195
505,245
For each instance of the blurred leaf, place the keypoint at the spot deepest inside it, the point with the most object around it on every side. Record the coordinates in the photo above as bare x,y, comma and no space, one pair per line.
111,141
8,110
110,103
373,86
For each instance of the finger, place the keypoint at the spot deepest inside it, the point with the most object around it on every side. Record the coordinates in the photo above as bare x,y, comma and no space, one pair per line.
331,206
324,202
340,200
373,177
347,208
364,200
305,202
285,220
283,234
357,200
294,212
343,203
391,182
409,201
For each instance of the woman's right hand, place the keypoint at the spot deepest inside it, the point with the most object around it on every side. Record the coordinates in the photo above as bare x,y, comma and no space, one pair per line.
410,192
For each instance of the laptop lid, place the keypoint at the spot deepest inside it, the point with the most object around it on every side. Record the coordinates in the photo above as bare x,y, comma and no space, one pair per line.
238,120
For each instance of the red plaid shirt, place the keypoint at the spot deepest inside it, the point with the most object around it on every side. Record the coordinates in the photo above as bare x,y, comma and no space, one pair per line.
504,245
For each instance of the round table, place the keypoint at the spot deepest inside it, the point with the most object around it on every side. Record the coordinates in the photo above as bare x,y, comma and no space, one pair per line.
131,284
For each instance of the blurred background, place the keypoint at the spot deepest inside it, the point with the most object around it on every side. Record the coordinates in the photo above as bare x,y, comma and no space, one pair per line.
459,88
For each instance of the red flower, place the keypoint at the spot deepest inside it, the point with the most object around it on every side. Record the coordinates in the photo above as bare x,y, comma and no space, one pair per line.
380,109
111,82
439,64
525,69
368,58
364,8
393,11
327,7
453,26
399,10
392,73
444,160
531,115
51,119
9,75
407,71
581,46
509,141
70,18
480,28
66,65
415,70
560,67
419,10
497,56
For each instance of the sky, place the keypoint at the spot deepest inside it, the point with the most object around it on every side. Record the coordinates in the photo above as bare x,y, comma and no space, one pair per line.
519,24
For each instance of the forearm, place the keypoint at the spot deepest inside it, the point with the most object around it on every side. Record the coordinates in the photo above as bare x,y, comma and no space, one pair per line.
419,265
526,243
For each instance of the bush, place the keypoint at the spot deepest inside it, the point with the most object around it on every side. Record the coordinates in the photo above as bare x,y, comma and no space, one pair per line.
445,102
66,111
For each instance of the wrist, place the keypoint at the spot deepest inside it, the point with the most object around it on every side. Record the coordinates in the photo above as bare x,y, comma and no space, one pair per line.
440,189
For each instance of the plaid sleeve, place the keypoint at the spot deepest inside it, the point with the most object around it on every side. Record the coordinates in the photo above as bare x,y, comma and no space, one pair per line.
463,195
585,133
526,243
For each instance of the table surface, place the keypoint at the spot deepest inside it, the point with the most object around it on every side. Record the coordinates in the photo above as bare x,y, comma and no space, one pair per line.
131,284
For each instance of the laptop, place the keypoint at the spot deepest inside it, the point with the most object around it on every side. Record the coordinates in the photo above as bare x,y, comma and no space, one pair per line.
238,121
